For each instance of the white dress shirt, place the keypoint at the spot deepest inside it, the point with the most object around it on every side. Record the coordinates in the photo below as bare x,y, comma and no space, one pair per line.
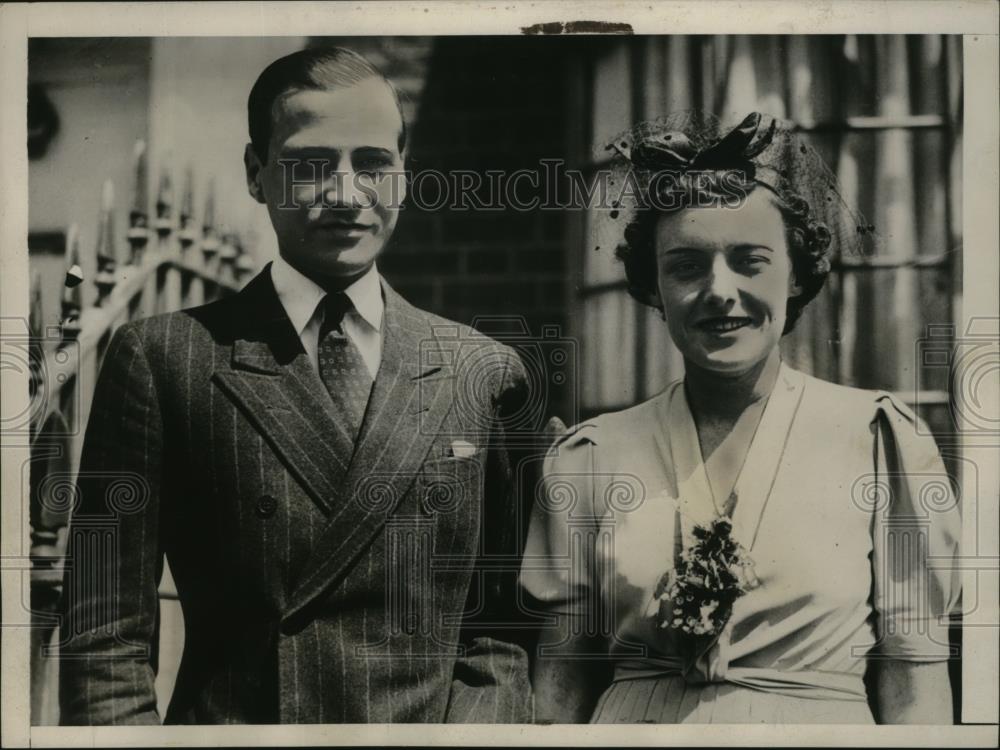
301,298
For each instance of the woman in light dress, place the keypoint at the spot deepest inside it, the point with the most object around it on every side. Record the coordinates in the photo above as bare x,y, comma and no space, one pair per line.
835,498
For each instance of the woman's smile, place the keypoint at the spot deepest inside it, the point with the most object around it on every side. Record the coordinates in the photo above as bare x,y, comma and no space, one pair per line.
723,324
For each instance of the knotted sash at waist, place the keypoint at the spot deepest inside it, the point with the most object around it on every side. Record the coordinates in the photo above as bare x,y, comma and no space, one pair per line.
813,684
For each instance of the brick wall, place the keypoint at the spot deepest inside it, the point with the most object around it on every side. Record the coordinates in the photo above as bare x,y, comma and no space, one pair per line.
487,104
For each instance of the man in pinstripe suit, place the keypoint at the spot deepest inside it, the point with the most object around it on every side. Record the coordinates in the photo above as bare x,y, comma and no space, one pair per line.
327,496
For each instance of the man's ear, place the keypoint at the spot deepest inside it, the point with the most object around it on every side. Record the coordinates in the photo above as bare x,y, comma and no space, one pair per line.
656,302
653,299
253,168
403,182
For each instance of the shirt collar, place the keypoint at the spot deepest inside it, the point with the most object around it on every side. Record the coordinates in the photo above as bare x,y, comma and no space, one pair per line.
366,294
300,295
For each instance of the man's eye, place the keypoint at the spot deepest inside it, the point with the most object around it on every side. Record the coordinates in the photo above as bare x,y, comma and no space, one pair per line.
313,170
372,166
684,268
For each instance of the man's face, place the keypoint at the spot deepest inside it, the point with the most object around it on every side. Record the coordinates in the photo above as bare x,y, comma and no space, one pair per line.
332,179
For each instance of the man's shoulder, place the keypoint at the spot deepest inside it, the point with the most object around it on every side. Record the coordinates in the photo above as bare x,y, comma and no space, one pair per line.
469,353
218,321
446,331
183,328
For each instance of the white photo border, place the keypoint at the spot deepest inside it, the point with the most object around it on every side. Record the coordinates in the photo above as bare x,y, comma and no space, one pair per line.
975,20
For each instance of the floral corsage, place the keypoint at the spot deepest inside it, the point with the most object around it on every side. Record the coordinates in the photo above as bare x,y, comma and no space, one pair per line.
696,597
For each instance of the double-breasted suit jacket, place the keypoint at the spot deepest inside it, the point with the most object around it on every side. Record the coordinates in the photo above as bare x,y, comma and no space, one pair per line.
320,580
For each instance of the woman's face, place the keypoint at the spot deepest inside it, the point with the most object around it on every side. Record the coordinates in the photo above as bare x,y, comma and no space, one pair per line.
724,276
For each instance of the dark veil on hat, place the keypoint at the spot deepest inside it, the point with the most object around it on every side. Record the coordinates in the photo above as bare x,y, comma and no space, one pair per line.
766,150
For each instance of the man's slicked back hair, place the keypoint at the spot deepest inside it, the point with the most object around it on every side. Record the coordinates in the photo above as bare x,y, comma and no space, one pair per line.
315,68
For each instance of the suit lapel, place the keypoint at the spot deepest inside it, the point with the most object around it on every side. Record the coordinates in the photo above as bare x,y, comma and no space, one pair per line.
270,378
408,404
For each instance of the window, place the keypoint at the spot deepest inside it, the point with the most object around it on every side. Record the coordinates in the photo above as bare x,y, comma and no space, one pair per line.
885,114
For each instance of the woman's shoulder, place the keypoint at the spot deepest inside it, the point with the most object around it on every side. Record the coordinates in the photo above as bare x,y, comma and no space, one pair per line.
613,430
863,405
617,425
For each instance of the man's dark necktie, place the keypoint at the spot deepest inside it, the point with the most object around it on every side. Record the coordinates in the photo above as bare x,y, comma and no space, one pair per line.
341,366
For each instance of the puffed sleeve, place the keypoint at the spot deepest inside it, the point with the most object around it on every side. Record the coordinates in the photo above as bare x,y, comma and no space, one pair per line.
557,569
916,530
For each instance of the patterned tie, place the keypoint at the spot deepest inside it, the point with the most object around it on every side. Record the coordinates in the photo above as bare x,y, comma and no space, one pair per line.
341,367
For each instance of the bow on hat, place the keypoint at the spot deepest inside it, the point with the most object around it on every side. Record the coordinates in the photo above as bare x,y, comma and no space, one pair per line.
675,150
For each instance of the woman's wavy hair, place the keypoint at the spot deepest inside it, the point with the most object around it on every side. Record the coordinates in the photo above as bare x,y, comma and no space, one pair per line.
808,239
705,167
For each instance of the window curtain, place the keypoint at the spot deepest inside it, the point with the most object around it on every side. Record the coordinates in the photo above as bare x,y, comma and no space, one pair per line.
884,112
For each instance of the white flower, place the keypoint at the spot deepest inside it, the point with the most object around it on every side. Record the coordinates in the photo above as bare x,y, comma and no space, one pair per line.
705,614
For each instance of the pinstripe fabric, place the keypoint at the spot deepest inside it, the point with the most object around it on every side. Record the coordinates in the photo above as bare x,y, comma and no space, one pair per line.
208,443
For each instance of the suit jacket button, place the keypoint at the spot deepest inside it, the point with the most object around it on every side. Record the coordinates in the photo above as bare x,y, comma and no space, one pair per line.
266,506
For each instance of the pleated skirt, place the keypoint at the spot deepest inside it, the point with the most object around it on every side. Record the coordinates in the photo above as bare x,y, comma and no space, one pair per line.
671,700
